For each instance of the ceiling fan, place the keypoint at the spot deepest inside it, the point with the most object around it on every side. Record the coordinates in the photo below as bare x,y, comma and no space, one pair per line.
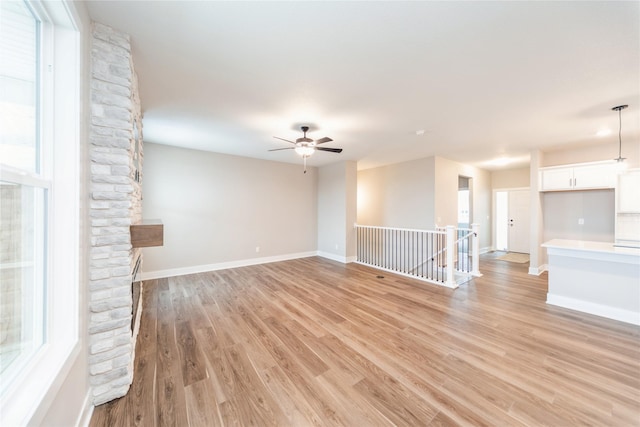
306,146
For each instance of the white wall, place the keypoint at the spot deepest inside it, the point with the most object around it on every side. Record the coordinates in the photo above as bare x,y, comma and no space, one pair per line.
351,213
446,196
510,178
563,209
398,195
595,153
337,189
538,255
422,193
218,208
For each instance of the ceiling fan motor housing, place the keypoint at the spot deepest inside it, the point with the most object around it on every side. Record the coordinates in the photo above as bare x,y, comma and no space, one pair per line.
304,137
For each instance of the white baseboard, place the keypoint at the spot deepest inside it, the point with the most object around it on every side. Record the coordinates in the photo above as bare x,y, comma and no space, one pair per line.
87,412
339,258
486,250
536,271
181,271
596,309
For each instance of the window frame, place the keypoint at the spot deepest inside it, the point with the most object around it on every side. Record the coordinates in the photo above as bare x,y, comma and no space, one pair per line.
59,118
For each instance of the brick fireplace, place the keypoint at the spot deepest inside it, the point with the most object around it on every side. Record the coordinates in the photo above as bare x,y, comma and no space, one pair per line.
115,204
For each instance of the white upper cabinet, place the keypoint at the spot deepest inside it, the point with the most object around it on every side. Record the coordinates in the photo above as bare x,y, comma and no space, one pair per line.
556,179
595,176
578,177
628,194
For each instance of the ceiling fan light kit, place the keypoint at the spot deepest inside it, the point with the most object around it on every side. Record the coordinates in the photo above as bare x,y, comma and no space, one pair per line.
304,151
305,146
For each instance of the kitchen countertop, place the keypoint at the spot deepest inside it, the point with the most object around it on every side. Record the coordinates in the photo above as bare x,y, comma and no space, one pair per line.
593,250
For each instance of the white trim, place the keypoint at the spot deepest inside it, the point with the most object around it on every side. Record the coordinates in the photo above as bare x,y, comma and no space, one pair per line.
486,250
536,271
511,189
87,411
15,176
339,258
626,316
181,271
405,229
32,389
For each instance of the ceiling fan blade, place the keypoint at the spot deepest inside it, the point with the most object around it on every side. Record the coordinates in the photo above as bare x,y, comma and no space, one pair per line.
323,140
282,139
278,149
332,150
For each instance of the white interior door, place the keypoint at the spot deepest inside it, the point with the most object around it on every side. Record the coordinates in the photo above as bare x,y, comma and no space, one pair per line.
518,217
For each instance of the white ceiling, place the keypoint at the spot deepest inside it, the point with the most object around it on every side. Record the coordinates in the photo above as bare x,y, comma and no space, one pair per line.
482,79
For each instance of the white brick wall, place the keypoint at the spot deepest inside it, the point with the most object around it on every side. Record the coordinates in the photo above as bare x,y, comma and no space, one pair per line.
116,203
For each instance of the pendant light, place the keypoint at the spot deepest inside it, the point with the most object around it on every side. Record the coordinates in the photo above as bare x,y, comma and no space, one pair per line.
619,109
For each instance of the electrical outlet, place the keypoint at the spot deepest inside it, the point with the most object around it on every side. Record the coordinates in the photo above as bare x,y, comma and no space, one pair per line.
580,221
336,246
257,249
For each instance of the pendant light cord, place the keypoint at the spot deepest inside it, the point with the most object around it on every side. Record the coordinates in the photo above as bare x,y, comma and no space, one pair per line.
619,109
620,133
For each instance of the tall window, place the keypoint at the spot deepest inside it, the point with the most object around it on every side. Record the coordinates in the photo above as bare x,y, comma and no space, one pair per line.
40,124
24,191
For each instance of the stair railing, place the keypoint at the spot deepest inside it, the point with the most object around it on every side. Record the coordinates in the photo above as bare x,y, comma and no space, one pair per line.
444,256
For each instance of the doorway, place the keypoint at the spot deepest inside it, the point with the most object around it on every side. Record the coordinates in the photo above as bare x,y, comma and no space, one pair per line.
464,202
512,220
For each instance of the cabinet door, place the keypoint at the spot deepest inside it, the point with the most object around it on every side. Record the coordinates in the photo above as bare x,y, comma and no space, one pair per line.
628,193
556,179
594,176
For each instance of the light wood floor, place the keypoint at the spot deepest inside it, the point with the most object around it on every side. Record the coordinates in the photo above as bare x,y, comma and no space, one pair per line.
314,342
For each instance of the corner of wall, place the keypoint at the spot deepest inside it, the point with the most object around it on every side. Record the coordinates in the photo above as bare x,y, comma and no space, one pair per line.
537,253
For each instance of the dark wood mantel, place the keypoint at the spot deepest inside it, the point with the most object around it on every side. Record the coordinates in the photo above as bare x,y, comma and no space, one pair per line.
150,232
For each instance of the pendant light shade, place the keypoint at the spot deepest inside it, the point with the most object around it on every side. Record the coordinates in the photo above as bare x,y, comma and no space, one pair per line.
619,109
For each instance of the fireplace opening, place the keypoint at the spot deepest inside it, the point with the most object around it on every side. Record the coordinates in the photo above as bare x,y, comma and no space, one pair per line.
136,287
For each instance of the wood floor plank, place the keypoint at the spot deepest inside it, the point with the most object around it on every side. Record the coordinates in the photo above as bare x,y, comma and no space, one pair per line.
386,398
115,413
312,342
141,393
291,401
202,410
304,354
191,358
323,403
171,403
358,410
167,355
254,404
441,420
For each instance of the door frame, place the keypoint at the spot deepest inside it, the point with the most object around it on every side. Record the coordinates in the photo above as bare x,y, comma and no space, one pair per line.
470,189
494,216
